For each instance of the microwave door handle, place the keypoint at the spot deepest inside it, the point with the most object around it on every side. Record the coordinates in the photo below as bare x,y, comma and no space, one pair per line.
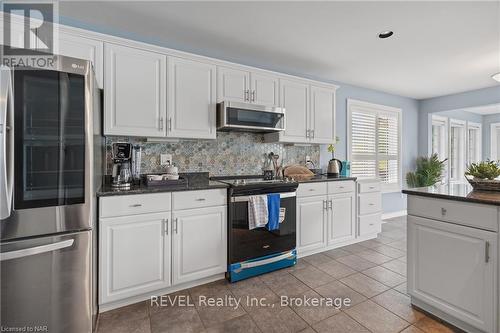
6,142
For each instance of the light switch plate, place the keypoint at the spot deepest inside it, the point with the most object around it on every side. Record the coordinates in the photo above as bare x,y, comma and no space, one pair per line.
165,159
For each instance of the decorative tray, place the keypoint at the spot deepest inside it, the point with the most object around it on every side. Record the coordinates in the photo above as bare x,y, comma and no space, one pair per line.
484,184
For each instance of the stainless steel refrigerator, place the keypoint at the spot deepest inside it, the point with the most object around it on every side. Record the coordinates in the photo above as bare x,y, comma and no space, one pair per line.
51,150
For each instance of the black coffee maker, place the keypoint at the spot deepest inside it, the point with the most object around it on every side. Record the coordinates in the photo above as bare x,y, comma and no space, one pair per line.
122,158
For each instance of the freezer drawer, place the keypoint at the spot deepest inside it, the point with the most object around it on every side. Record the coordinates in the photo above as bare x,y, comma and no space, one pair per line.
46,284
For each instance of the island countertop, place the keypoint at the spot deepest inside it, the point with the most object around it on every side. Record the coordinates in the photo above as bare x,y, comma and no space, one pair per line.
457,192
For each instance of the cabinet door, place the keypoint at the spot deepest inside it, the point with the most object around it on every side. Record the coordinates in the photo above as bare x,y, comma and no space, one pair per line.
311,223
191,99
135,90
199,243
322,115
233,85
294,98
449,269
83,48
134,255
341,221
265,89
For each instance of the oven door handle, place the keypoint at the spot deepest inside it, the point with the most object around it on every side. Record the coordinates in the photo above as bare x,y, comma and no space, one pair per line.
251,264
283,195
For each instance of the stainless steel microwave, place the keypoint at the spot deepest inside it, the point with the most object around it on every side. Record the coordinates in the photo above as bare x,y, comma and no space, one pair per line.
234,116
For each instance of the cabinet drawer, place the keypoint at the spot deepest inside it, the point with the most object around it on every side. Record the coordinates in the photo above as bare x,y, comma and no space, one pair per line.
340,187
310,189
370,224
134,204
366,187
370,203
464,213
197,199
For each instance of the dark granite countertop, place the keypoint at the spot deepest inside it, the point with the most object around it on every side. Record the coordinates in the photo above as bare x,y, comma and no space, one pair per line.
325,178
457,192
196,181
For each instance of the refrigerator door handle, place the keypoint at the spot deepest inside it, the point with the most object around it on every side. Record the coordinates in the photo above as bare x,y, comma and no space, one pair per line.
36,250
6,142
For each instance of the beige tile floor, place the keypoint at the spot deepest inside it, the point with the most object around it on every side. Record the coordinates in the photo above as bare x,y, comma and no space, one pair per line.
372,274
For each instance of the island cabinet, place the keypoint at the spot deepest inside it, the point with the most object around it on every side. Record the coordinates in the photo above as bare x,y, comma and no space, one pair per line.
325,216
453,261
161,242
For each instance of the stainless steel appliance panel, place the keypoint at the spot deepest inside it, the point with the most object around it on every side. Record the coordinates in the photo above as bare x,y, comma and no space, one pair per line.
234,116
46,283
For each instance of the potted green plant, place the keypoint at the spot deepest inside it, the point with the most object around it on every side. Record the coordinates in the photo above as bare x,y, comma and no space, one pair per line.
482,175
429,171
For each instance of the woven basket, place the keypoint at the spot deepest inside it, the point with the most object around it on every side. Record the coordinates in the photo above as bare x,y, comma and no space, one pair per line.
484,184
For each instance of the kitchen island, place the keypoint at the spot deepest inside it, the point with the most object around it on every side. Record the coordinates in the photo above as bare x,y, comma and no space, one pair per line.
453,235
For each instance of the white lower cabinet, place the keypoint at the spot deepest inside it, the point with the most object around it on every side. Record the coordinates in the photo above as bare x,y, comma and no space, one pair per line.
453,268
199,243
135,254
341,220
311,223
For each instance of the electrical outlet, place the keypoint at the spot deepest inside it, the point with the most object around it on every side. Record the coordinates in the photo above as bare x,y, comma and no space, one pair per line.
165,159
308,158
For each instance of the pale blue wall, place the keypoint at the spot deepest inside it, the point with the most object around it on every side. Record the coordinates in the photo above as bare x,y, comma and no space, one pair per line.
467,99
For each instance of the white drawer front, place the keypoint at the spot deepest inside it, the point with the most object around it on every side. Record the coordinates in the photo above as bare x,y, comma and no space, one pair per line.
367,187
197,199
464,213
310,189
370,203
340,186
370,224
122,205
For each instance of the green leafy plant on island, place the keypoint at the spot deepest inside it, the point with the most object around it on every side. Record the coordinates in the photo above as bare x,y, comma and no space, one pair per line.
331,147
484,170
429,171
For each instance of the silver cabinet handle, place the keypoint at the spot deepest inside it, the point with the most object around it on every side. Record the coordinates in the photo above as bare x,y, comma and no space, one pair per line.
341,186
325,205
136,205
311,190
176,225
165,222
443,211
201,199
36,250
371,204
330,204
312,134
253,96
169,123
371,187
487,251
247,93
161,123
308,133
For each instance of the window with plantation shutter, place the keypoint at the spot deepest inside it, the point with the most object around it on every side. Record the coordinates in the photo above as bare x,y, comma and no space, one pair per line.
374,147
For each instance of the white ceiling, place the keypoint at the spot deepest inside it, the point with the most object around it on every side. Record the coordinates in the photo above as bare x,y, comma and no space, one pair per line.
485,109
438,48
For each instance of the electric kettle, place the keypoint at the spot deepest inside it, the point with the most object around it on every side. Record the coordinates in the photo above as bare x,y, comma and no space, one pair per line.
334,168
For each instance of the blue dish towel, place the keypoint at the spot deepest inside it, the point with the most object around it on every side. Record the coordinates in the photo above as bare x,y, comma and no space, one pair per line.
273,209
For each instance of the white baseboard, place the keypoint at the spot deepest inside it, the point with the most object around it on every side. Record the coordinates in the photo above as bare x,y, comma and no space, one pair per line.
391,215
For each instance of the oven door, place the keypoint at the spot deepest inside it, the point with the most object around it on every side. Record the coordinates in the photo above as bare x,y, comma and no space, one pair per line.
245,244
250,117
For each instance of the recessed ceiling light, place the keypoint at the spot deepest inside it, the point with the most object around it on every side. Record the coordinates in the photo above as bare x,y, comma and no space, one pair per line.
385,34
496,77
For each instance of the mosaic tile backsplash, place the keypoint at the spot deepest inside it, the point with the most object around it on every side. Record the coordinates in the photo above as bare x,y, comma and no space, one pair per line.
232,153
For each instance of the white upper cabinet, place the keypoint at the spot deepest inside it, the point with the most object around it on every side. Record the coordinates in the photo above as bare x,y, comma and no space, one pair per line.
134,92
322,115
294,96
199,243
191,99
233,85
247,87
265,89
83,48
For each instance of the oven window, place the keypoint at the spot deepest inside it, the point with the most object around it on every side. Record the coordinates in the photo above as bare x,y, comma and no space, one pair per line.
49,130
243,117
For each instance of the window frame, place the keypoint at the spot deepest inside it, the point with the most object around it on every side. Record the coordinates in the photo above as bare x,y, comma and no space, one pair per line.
479,144
378,109
463,151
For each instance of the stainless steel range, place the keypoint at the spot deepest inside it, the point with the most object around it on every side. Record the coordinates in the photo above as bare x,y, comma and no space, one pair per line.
260,250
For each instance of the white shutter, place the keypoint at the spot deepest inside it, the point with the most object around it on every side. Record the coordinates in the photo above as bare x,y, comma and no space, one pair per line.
374,143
